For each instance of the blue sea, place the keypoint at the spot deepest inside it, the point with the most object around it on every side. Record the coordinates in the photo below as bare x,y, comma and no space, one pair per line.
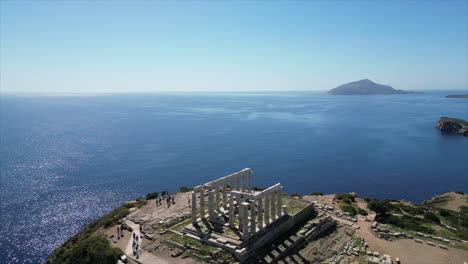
66,160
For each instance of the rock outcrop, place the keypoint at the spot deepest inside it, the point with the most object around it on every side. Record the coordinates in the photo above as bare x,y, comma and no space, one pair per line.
453,125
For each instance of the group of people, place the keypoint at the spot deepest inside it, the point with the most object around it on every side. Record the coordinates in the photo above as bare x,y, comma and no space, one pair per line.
165,195
135,245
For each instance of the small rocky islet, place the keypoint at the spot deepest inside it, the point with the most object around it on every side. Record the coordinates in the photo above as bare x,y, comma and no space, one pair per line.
453,125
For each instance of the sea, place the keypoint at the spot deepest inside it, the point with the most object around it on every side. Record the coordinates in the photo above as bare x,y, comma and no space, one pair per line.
68,159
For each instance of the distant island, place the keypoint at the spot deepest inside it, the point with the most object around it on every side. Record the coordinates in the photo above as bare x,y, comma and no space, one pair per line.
365,87
457,96
453,125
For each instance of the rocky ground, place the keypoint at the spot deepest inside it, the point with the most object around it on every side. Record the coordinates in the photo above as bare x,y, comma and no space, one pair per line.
355,240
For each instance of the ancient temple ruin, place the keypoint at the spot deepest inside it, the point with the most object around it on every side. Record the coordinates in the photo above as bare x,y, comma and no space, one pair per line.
232,197
230,214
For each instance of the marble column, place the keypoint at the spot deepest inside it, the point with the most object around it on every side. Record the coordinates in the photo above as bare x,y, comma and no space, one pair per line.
231,210
194,207
202,203
245,220
279,203
211,210
225,195
253,219
267,210
243,182
218,197
249,183
237,183
285,209
260,213
273,207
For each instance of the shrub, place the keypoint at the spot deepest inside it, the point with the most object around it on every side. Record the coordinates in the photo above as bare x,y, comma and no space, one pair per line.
348,208
460,192
185,189
362,211
95,249
341,196
258,188
444,212
295,195
367,199
140,199
380,207
346,200
317,193
464,209
152,195
405,222
431,217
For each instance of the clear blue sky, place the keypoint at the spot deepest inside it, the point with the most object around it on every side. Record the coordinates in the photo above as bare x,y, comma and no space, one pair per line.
142,46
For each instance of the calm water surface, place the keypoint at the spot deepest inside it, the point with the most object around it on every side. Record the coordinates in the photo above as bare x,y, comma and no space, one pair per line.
67,160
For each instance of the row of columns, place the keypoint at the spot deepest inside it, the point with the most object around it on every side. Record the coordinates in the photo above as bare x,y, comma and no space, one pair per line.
218,194
263,211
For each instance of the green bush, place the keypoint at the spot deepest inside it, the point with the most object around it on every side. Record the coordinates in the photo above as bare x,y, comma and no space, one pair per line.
152,195
362,211
412,210
406,222
431,217
258,188
367,199
380,207
444,212
346,200
95,249
317,193
341,196
464,209
296,195
460,192
185,189
348,208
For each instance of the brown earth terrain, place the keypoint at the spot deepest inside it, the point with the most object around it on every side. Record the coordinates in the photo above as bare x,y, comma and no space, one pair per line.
150,218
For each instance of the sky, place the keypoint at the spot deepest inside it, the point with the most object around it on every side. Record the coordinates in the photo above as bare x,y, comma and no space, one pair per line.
151,46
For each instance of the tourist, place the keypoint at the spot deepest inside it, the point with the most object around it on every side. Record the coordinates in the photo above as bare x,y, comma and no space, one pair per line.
173,199
189,204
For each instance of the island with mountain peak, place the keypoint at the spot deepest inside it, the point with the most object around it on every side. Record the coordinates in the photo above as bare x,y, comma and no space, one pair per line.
365,87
